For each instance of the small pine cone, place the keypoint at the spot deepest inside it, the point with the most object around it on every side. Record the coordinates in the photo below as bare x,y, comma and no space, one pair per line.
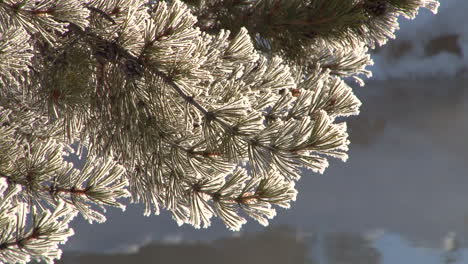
376,8
295,92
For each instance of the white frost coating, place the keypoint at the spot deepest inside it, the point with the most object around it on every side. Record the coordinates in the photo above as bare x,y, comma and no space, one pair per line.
3,186
432,5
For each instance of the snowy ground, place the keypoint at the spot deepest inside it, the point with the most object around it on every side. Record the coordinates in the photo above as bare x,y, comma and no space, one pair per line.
417,51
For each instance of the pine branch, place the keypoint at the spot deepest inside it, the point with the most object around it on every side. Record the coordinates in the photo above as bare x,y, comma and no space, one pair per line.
17,245
290,27
200,121
35,163
121,52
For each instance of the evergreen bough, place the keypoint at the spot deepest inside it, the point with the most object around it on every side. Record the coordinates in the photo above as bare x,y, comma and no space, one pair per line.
200,107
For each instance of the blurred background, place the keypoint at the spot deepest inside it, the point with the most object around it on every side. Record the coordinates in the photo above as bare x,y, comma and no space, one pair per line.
402,197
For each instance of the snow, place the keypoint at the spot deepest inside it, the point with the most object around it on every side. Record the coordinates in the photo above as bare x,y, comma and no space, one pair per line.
450,20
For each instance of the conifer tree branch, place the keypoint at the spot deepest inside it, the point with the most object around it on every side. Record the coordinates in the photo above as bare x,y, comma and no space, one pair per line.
128,56
289,27
194,120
